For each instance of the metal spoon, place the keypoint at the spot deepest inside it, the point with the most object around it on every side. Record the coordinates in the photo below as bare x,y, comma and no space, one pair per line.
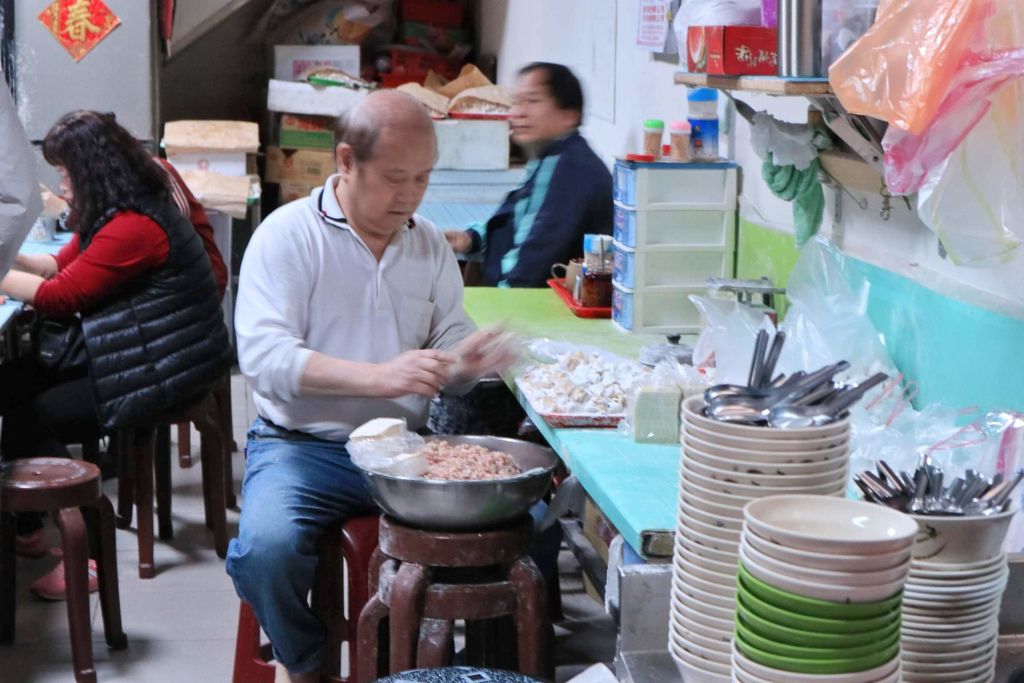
801,417
752,410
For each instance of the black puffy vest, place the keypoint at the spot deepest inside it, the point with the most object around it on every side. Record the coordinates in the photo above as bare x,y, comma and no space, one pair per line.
159,340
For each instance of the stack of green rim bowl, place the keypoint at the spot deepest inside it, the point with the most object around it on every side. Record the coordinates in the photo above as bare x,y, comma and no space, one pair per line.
819,591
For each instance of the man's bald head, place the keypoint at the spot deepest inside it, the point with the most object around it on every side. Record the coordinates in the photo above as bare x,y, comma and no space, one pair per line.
402,114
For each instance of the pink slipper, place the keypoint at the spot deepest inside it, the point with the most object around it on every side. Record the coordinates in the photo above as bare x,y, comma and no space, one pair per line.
52,586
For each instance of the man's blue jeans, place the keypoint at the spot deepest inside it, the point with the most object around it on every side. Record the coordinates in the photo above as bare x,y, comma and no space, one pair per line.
295,486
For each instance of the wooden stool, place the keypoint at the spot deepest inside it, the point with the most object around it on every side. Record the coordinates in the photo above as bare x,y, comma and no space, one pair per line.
354,541
423,581
145,449
222,391
61,486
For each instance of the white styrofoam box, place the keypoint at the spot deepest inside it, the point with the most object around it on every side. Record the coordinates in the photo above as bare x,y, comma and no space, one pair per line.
472,145
291,61
225,163
664,186
680,267
293,97
656,310
713,229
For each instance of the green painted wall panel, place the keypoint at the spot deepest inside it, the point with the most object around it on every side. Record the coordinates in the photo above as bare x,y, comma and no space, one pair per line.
961,355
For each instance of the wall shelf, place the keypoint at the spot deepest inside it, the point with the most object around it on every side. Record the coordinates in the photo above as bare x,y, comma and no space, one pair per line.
769,85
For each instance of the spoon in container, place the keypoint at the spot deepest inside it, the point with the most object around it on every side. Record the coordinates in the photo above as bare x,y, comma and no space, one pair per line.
802,416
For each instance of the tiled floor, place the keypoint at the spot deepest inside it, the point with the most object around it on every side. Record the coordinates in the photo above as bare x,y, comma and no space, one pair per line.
181,624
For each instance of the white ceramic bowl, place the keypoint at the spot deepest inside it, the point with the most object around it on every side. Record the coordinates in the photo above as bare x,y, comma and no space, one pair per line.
709,507
722,636
753,453
725,557
739,463
700,613
728,535
693,409
942,614
829,524
835,476
933,644
827,561
711,654
950,657
694,670
949,568
752,492
909,630
694,512
708,644
888,672
824,576
821,591
961,540
697,490
958,579
784,447
721,585
981,672
698,539
705,563
964,661
959,591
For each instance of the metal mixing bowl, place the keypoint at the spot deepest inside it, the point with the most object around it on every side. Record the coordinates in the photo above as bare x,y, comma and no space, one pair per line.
463,505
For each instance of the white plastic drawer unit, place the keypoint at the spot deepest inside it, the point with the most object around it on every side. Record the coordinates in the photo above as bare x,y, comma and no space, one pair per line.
656,310
667,186
707,229
677,267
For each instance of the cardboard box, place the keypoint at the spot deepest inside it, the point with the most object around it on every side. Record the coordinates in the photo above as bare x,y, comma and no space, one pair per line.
597,529
317,100
293,189
225,163
291,61
733,50
471,145
306,166
306,132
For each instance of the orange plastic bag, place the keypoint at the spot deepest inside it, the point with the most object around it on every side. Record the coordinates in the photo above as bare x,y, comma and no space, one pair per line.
902,68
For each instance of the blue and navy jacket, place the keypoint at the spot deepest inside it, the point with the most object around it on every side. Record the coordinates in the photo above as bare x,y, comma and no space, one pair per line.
567,193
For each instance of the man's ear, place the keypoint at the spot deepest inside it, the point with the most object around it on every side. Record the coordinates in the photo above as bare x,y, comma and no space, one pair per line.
344,158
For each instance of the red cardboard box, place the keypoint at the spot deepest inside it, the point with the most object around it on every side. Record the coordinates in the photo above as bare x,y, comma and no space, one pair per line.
733,50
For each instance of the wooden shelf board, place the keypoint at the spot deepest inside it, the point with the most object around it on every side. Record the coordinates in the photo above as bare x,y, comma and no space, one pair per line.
761,84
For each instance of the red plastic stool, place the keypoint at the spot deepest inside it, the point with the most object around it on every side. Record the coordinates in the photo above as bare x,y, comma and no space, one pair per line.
358,540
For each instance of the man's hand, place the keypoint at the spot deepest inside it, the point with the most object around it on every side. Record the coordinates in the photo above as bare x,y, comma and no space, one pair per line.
482,353
415,372
459,240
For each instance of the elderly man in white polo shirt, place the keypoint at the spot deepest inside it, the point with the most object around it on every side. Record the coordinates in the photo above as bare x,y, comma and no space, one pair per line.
349,308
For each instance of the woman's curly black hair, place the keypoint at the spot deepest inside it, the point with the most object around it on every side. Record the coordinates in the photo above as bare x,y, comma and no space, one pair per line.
108,168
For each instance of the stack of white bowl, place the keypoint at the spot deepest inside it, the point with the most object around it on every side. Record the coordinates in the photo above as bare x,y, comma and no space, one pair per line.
724,467
819,591
952,599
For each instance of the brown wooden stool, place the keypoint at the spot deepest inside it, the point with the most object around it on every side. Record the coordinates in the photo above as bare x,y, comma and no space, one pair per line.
424,581
222,392
145,449
61,486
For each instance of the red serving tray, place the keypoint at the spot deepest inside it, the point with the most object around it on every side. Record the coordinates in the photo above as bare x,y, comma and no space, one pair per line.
578,311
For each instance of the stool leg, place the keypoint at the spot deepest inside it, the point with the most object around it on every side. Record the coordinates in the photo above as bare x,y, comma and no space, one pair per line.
406,607
532,625
162,462
144,439
184,445
328,599
213,477
435,644
7,582
222,392
76,573
106,565
124,445
368,666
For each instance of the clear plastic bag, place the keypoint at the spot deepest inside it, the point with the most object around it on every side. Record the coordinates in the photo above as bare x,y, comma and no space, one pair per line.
827,318
728,337
395,456
842,23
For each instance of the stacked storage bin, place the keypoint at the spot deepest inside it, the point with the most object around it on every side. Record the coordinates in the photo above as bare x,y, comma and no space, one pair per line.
675,226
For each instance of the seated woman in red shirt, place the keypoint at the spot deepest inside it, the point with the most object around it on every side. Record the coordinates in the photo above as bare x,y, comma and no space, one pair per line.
135,286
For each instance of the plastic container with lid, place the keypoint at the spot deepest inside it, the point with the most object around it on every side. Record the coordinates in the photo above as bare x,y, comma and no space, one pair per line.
679,135
654,130
703,120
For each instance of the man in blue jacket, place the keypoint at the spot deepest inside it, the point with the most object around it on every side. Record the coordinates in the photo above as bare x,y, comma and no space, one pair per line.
567,193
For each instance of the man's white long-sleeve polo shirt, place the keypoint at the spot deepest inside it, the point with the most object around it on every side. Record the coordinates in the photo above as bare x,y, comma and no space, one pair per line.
309,283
